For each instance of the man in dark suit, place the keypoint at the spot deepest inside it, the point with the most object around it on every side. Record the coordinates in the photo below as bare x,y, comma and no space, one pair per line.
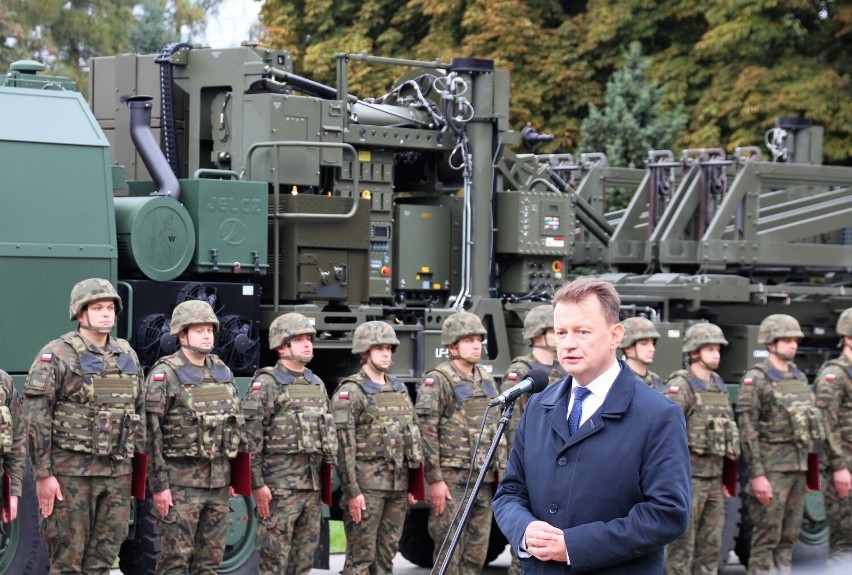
598,479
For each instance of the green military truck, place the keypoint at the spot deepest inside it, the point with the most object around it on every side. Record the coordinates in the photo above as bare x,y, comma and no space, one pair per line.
221,175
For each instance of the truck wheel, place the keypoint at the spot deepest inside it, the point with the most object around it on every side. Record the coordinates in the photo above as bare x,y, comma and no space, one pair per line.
22,549
416,544
139,552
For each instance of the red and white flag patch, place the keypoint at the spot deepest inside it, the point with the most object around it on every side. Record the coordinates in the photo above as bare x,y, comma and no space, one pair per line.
257,384
512,376
829,377
748,381
46,357
343,395
429,381
674,389
161,376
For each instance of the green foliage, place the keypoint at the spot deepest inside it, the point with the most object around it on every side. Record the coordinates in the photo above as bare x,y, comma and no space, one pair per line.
732,67
152,30
632,121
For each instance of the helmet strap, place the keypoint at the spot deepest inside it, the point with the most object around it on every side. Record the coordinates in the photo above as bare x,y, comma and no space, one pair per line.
95,328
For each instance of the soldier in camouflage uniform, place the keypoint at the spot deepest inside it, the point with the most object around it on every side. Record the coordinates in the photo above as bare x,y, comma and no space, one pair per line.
834,398
712,435
84,400
379,442
639,345
538,329
195,422
778,424
451,400
13,453
290,434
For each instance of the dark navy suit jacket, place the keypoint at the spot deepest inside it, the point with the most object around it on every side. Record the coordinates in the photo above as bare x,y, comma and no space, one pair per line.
619,488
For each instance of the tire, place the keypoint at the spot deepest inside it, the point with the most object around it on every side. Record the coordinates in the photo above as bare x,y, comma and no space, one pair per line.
141,550
22,550
742,548
416,544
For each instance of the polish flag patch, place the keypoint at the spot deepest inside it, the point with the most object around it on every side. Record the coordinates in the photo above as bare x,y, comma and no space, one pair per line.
748,381
512,376
160,376
429,381
256,384
829,377
343,395
46,357
674,389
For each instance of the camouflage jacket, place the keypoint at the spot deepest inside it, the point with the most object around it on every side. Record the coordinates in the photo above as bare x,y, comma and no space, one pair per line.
834,398
195,422
518,370
12,447
652,380
83,408
289,429
450,409
378,437
778,419
710,426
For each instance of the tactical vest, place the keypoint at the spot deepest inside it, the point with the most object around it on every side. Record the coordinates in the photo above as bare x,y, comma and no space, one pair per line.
6,427
553,373
100,417
711,429
301,422
458,432
792,396
844,421
204,422
386,427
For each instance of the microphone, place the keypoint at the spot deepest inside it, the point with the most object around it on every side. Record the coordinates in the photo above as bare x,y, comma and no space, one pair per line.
535,381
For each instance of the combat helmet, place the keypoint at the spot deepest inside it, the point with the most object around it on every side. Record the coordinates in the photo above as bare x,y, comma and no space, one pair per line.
373,333
461,325
192,312
86,291
636,328
538,321
844,323
288,326
703,333
778,326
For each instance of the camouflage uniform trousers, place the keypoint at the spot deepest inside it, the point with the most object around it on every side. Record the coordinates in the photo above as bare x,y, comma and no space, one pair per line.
839,514
703,537
288,538
469,556
192,535
86,530
372,544
776,526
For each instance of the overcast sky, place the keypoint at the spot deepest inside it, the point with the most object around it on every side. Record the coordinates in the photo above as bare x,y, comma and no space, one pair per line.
233,23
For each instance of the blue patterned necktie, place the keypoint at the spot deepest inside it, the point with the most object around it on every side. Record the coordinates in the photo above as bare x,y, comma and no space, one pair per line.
580,394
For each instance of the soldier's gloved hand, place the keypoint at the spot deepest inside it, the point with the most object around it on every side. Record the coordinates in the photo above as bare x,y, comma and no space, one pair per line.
438,495
47,491
762,489
842,482
262,497
162,501
355,506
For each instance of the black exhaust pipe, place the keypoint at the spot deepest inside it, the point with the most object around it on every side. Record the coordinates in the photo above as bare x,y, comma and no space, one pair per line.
152,156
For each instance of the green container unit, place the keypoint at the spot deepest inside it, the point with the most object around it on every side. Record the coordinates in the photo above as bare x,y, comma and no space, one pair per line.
230,218
57,222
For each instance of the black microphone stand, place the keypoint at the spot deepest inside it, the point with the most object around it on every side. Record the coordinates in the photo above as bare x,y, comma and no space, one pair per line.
504,420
